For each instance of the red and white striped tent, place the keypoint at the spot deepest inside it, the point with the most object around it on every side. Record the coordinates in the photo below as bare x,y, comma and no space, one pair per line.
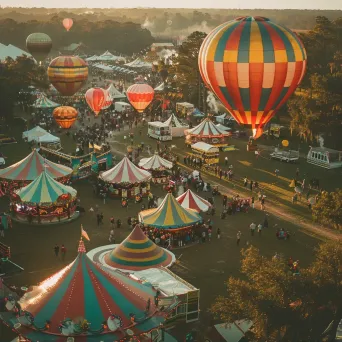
207,129
189,200
155,163
125,172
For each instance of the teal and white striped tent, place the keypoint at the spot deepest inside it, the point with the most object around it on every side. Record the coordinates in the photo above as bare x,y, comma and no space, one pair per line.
43,102
44,189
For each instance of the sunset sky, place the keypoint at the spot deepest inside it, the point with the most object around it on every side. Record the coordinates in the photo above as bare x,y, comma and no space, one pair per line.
266,4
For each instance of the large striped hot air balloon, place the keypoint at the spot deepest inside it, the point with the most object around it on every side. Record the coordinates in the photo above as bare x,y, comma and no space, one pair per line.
67,23
140,95
95,98
39,45
253,66
65,116
68,74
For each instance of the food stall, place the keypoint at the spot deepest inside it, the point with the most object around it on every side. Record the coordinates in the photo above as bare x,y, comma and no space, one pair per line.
209,154
159,130
184,108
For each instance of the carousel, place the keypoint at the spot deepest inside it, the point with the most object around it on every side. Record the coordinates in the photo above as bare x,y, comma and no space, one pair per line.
190,200
170,216
26,170
84,303
125,180
44,201
206,132
159,168
136,253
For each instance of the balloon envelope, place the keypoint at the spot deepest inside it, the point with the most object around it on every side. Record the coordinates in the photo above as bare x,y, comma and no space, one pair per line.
39,45
253,66
140,95
68,74
65,116
95,98
67,23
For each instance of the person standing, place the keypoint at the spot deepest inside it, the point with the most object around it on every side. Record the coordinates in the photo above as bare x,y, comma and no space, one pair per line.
245,182
252,201
63,252
2,230
209,234
98,219
111,236
251,186
56,250
226,160
203,236
265,222
252,228
259,229
238,238
263,203
276,172
218,233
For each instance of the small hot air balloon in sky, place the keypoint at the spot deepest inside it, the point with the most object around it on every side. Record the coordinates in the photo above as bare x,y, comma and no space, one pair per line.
140,95
253,66
39,45
68,74
67,23
65,116
95,98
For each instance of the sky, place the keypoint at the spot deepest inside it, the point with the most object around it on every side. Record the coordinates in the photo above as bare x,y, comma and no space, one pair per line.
242,4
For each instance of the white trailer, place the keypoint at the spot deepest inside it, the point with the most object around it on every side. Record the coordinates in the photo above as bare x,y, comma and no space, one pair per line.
285,156
122,106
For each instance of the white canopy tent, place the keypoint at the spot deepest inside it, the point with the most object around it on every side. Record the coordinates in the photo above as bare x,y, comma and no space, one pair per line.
36,131
103,67
139,63
114,93
177,129
161,87
12,52
49,139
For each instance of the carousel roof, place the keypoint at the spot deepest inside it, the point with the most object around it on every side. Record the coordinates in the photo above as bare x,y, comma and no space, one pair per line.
207,129
44,189
125,172
169,215
82,292
137,252
190,200
43,102
155,163
32,166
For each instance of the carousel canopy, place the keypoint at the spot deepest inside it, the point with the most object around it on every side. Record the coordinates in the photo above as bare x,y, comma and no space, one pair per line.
137,252
43,102
125,172
207,129
78,300
169,215
155,163
44,189
190,200
32,166
174,122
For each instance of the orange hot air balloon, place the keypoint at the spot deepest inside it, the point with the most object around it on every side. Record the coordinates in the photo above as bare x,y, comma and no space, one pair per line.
253,66
68,74
140,95
65,116
67,23
95,98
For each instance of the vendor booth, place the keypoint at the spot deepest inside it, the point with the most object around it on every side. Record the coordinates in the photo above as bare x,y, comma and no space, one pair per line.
177,128
184,108
125,180
325,157
170,216
25,171
159,130
207,132
208,154
44,201
34,133
159,168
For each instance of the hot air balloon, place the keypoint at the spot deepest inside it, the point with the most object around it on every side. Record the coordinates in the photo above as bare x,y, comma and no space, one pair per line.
95,98
140,95
253,66
65,116
67,23
39,45
68,74
108,100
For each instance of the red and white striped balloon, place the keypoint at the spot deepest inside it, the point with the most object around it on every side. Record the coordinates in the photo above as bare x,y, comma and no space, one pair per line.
140,95
108,100
67,23
95,98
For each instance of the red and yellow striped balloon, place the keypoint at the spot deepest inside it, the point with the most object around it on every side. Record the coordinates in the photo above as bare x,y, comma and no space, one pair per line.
95,98
68,74
140,95
253,66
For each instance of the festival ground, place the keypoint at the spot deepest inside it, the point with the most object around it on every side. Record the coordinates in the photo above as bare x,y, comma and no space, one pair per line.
206,266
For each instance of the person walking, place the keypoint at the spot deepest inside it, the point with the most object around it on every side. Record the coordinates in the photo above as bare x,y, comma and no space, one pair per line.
98,219
252,201
252,228
63,252
276,172
265,225
263,203
209,234
238,238
2,230
245,182
218,233
259,229
112,222
111,236
251,185
56,250
226,160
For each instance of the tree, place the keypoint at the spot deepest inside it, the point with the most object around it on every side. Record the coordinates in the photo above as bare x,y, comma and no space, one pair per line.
328,209
284,307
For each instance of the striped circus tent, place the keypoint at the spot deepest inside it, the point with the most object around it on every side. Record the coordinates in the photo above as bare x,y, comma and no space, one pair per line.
169,215
190,200
137,252
44,189
43,102
155,163
32,166
84,301
125,172
207,129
